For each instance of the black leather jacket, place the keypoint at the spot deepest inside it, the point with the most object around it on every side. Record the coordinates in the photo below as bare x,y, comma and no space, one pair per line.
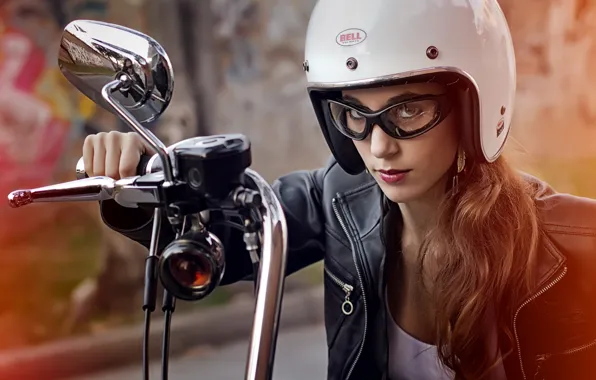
339,218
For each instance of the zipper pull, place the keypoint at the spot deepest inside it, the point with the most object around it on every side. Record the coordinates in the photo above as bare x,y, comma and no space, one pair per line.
347,307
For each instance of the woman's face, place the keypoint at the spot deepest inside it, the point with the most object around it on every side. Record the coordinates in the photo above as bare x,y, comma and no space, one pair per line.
406,170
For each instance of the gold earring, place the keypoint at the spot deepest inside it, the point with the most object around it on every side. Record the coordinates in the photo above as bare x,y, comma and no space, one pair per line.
461,164
461,160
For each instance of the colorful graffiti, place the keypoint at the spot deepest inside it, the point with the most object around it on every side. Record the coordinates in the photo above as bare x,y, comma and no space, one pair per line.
39,109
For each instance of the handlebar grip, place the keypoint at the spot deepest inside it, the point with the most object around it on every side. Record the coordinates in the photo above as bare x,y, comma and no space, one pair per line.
142,166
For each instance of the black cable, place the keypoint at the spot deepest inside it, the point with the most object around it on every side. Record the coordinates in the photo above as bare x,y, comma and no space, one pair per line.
149,299
146,344
228,224
169,305
166,345
255,273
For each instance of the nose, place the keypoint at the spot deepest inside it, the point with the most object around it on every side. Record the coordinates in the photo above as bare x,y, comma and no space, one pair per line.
381,144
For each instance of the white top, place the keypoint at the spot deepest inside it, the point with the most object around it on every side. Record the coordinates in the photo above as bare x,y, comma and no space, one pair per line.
411,359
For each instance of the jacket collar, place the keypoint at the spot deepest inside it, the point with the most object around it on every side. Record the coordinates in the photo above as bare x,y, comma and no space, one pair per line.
369,208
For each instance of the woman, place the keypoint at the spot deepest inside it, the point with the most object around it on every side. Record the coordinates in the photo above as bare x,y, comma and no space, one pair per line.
441,261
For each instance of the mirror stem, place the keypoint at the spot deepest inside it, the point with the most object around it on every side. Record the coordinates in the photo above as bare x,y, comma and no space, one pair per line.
147,135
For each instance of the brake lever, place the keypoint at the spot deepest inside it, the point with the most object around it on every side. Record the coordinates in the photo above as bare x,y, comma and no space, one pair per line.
124,191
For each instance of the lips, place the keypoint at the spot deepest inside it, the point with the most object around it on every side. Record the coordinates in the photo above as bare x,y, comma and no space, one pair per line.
393,171
392,176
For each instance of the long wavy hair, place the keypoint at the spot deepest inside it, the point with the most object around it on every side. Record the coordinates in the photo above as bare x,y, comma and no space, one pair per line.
484,245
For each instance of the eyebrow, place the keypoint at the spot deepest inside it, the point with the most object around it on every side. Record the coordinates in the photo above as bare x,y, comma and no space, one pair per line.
393,99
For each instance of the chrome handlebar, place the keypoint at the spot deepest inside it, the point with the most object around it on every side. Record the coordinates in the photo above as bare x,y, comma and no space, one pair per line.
127,192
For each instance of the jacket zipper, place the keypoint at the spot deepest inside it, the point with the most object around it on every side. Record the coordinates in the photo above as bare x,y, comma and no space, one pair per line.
343,226
536,295
543,358
346,307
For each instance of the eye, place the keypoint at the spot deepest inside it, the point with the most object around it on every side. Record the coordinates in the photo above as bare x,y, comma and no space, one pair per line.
355,115
407,111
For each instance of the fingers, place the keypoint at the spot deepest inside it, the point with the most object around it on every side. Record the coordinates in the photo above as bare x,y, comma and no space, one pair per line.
112,154
132,149
88,154
99,155
113,144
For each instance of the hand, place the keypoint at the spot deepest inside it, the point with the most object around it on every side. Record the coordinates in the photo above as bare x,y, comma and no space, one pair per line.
113,154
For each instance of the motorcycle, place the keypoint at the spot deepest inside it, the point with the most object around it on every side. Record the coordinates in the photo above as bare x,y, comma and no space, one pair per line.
194,186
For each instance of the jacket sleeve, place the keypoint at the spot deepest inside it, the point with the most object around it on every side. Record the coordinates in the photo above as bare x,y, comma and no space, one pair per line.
300,194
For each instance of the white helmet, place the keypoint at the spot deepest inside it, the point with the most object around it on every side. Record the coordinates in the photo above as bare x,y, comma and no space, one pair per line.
356,43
